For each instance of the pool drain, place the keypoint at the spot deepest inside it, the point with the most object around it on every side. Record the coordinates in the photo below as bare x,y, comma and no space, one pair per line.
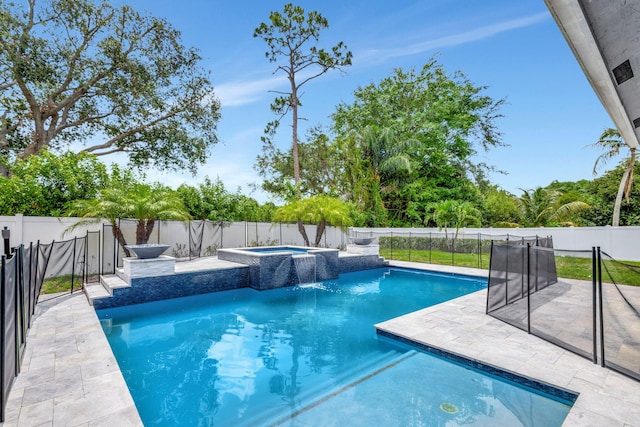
449,408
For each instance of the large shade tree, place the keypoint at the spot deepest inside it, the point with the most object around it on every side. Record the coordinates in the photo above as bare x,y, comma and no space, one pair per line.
611,142
292,37
104,78
447,116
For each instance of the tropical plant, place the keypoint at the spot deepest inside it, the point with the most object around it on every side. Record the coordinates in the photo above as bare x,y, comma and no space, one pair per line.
541,208
611,141
142,202
321,210
454,213
88,71
293,36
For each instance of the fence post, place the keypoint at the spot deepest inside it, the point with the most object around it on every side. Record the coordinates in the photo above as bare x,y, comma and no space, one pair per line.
73,262
453,250
189,239
602,361
85,270
116,244
410,245
528,287
594,273
21,303
16,313
391,244
35,277
506,276
486,311
3,371
479,250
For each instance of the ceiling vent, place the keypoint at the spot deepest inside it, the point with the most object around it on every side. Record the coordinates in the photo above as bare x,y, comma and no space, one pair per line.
623,72
636,123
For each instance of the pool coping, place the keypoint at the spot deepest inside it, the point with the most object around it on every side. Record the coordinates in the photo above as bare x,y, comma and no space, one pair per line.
460,326
69,375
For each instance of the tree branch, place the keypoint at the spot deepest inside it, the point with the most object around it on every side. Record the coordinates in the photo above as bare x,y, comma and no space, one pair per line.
128,133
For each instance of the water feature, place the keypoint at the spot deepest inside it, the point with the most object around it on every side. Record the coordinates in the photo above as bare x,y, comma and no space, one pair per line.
305,266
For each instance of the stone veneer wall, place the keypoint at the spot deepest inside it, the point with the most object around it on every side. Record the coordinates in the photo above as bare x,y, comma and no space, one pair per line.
277,270
349,264
148,289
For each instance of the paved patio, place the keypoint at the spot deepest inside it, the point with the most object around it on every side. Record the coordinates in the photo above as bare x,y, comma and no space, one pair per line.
70,377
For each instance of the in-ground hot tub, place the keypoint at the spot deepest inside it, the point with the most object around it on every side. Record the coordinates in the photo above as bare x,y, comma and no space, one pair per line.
277,266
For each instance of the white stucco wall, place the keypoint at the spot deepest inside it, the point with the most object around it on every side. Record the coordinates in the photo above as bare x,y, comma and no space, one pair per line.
622,243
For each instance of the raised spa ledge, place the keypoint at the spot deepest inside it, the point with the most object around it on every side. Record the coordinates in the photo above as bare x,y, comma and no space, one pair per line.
275,266
134,268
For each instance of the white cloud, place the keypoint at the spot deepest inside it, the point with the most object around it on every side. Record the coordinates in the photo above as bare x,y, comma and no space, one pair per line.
237,93
381,55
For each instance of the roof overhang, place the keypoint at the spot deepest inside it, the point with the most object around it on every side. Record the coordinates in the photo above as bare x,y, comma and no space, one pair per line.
605,38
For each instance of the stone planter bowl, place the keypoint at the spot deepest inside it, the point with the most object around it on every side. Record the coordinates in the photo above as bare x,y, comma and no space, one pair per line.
147,251
363,240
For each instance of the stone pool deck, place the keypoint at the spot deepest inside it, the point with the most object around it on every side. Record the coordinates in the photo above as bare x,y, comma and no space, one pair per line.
70,377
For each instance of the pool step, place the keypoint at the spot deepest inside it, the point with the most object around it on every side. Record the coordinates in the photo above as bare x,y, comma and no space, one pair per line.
105,288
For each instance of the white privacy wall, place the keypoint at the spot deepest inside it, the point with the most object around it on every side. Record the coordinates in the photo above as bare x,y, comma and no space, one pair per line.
622,243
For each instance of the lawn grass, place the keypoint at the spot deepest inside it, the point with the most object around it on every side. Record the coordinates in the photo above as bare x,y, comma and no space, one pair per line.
567,267
53,285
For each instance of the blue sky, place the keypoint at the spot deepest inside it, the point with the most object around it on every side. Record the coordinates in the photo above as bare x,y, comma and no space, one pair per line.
513,47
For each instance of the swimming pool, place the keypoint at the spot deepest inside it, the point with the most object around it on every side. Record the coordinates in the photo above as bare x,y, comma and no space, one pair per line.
307,355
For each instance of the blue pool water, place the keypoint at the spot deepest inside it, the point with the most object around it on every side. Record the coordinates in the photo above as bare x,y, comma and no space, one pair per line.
307,356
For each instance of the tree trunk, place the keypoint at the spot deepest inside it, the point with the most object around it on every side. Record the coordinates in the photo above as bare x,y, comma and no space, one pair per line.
149,229
303,231
294,130
618,203
4,171
141,232
320,232
117,234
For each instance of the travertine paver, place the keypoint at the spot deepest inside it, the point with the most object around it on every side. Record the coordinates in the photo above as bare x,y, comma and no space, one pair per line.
69,375
461,326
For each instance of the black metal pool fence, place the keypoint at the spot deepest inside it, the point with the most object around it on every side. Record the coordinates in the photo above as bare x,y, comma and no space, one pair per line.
450,248
195,239
597,318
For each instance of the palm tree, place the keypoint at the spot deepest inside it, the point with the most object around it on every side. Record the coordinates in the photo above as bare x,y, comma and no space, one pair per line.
106,206
386,160
540,207
611,141
455,213
321,210
387,155
142,202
